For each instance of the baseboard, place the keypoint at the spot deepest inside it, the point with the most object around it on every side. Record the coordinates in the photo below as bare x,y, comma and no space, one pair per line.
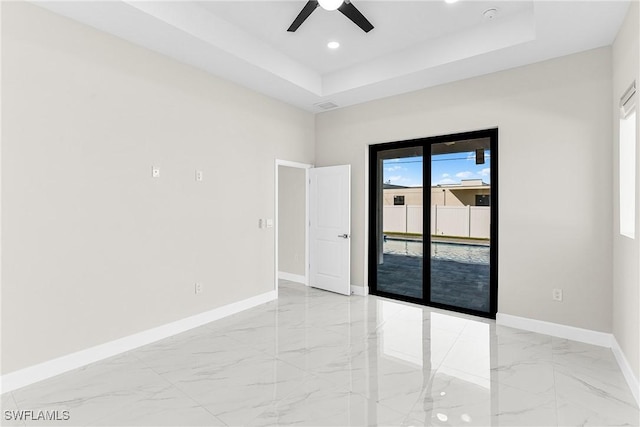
588,336
51,368
292,277
631,379
359,290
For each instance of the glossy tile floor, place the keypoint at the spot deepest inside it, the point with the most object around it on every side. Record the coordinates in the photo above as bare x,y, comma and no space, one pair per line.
316,358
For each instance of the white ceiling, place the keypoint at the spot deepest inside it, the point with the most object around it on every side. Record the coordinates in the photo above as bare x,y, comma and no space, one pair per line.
415,44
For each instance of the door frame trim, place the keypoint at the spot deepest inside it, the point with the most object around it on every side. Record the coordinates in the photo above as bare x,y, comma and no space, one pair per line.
306,167
371,256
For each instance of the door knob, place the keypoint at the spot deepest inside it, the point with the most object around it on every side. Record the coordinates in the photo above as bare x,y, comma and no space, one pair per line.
344,236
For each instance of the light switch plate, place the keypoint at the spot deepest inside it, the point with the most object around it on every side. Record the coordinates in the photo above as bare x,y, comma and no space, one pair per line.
155,172
269,223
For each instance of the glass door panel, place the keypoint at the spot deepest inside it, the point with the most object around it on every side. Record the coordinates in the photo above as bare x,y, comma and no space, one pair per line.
460,238
399,221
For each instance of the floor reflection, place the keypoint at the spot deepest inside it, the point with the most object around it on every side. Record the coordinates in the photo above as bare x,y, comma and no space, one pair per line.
401,336
318,358
473,372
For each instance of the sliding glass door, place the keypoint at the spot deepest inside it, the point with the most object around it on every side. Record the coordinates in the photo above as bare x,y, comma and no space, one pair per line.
400,219
461,223
451,193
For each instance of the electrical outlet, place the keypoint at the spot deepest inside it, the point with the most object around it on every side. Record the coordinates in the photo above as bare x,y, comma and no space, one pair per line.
557,294
199,176
198,288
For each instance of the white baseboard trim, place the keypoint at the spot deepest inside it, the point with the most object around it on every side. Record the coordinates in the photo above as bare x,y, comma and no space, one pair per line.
588,336
631,379
359,290
23,377
292,277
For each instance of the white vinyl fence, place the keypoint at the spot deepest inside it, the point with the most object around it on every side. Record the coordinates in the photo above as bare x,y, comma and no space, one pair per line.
460,221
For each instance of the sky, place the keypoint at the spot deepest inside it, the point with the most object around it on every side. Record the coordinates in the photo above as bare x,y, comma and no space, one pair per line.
445,169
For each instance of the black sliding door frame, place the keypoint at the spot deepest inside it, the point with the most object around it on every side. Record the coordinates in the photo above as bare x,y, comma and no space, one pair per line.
375,180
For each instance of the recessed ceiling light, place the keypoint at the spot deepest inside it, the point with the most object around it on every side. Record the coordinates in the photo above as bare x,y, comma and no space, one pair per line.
333,45
450,1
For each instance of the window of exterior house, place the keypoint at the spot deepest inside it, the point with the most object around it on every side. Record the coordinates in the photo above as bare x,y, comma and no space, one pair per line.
398,200
483,200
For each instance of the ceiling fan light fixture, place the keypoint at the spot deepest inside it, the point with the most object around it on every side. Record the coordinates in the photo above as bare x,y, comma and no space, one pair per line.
330,4
450,1
333,45
344,6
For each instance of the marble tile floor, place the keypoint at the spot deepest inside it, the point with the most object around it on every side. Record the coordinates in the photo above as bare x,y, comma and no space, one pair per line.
321,359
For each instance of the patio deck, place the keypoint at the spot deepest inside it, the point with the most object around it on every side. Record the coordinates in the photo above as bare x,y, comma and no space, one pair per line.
453,283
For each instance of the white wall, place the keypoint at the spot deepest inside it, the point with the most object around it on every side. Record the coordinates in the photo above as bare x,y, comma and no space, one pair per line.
554,121
93,249
291,221
626,253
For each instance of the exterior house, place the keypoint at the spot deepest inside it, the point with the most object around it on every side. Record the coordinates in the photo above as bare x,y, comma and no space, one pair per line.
470,192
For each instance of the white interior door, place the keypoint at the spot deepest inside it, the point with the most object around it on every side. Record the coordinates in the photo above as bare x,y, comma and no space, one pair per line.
330,228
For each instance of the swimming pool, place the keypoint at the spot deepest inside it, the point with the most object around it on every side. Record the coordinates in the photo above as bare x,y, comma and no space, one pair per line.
470,254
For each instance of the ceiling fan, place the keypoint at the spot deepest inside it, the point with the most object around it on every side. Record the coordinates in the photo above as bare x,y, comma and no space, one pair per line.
344,6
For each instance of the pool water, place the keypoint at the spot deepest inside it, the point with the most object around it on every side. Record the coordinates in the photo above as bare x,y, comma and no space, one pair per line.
470,254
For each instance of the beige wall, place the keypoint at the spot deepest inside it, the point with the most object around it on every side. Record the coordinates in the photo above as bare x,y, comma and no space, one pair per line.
291,219
465,197
554,122
93,249
626,253
412,196
439,196
456,197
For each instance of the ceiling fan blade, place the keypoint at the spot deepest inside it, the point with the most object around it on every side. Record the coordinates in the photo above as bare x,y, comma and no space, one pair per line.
350,11
303,15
